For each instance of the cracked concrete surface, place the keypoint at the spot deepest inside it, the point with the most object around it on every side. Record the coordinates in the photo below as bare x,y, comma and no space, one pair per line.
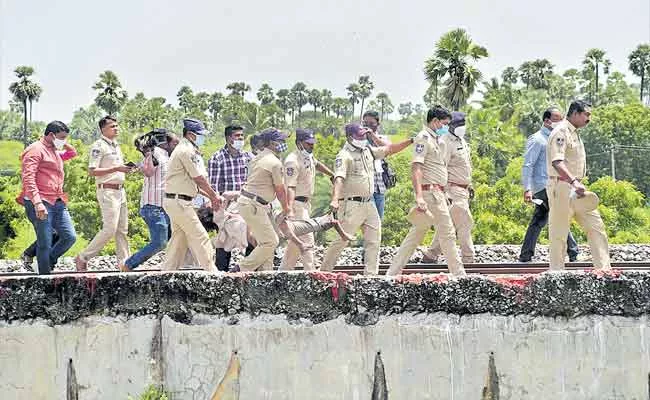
565,336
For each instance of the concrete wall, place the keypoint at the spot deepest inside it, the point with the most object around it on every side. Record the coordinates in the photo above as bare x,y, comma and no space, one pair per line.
426,356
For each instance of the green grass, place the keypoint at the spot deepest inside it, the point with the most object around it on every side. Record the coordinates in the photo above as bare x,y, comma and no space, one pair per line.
9,152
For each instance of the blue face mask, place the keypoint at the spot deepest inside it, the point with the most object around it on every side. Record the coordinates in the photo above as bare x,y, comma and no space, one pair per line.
443,130
200,139
546,131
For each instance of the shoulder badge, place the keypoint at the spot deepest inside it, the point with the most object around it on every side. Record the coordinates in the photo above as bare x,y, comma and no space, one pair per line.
339,162
560,141
95,153
419,148
196,159
290,171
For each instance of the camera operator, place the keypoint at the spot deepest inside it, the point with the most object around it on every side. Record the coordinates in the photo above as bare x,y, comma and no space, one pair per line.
156,147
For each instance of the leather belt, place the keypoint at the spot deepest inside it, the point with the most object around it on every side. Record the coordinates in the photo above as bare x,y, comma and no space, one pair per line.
458,184
255,197
360,199
302,199
179,196
114,186
433,186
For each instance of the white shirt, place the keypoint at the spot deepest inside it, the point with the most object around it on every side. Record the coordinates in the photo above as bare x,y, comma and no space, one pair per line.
153,189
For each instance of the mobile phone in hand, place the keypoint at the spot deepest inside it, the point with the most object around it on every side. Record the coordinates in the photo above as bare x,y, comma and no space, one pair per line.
131,164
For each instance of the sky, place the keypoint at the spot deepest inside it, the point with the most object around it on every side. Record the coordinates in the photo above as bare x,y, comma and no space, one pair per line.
158,46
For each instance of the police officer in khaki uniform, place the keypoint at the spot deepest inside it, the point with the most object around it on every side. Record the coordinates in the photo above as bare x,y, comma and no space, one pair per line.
353,200
458,189
566,165
429,169
299,176
263,185
187,178
106,164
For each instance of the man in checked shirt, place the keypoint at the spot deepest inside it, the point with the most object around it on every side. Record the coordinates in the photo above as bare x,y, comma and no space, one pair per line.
227,171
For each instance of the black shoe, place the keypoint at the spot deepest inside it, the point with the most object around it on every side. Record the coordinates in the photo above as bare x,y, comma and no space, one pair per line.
524,260
573,259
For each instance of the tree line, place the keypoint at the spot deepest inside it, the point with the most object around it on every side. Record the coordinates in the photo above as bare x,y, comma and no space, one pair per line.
498,124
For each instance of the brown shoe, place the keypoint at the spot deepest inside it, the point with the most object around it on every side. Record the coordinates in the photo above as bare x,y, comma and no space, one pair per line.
80,264
124,268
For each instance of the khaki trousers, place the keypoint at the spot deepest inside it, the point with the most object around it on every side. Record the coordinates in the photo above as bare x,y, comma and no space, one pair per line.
559,221
292,253
461,216
437,205
353,215
258,220
115,224
187,233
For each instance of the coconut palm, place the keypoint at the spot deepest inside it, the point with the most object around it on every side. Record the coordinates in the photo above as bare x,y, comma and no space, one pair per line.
299,97
283,101
639,61
452,61
111,96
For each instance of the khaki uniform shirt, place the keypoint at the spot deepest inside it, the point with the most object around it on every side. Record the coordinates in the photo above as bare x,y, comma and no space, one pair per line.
357,168
106,153
459,169
431,151
185,164
264,172
300,173
565,144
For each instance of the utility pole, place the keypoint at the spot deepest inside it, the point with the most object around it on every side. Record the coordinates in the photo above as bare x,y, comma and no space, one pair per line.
612,151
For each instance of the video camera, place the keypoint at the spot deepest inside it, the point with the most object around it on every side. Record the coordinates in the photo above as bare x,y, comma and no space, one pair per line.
146,143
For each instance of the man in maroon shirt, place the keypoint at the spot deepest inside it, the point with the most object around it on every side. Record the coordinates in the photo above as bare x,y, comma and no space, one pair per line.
43,196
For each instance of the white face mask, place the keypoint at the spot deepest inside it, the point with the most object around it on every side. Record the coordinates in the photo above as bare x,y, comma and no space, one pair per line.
360,143
238,144
59,143
200,139
555,124
460,131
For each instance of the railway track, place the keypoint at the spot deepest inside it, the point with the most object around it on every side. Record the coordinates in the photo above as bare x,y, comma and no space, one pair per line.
477,268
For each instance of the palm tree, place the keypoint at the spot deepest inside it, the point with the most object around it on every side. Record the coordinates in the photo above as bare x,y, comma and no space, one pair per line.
298,96
639,61
535,74
365,89
238,88
385,105
111,96
452,60
265,94
353,94
594,59
25,90
326,101
314,98
340,106
34,95
283,101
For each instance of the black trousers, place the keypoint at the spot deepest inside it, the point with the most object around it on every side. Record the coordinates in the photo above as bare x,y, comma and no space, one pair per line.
222,258
31,250
537,223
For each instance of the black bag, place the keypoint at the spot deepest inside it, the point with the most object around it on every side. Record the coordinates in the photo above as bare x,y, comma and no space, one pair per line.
388,175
